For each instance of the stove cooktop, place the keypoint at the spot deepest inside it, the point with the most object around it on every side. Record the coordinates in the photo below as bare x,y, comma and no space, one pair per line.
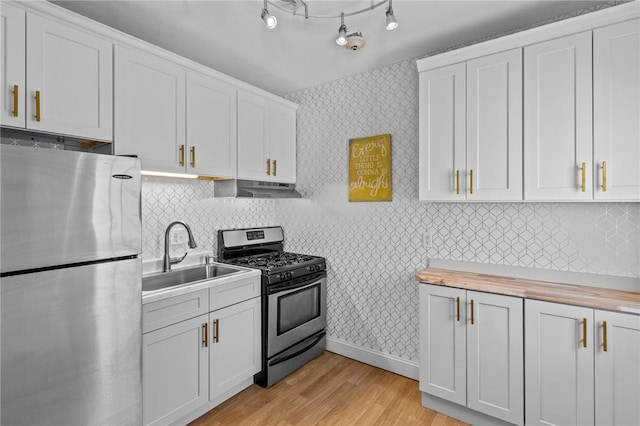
263,248
276,262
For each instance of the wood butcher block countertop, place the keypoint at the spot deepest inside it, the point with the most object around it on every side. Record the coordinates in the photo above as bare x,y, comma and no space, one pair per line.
592,297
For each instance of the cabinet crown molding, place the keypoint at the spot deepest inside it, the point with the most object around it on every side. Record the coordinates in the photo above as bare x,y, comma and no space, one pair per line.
534,35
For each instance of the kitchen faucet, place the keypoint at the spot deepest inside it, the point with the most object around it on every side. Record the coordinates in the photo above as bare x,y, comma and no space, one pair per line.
168,261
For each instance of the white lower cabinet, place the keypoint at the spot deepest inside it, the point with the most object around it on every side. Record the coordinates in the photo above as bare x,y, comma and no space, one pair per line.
175,371
193,358
559,364
582,365
235,345
471,350
617,368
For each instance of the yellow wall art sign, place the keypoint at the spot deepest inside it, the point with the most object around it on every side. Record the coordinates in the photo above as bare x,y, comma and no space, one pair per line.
370,168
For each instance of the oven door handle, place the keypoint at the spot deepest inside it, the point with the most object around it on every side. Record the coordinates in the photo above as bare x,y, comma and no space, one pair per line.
287,357
287,289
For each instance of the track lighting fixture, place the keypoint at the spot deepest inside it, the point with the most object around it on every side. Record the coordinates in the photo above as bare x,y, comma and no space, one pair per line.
342,32
392,22
353,41
269,20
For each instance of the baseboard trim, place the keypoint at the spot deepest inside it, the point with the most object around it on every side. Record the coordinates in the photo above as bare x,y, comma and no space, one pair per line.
378,359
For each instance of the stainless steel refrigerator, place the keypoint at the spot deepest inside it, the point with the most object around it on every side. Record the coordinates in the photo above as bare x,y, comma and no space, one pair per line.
70,288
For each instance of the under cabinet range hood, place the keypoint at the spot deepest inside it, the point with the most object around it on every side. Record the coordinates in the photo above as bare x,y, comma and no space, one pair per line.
240,188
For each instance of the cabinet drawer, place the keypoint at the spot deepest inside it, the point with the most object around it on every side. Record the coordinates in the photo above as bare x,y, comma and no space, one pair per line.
226,294
165,312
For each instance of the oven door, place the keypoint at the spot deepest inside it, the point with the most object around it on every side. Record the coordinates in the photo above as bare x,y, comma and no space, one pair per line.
296,311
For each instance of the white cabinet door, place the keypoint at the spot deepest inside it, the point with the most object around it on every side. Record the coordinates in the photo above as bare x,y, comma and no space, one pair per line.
443,371
211,126
494,127
282,143
175,371
495,365
235,345
71,73
616,111
617,369
559,381
150,110
442,133
253,137
558,119
12,66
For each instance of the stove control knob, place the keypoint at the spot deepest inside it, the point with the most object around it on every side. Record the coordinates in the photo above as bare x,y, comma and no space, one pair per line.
289,274
282,276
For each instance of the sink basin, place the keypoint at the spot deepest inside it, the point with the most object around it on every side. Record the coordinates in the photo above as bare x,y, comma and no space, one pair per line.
184,276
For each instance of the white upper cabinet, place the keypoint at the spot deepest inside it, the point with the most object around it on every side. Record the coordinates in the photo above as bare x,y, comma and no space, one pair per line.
266,139
253,137
557,119
616,111
175,121
150,110
547,114
494,127
282,142
12,69
211,126
471,130
442,133
68,79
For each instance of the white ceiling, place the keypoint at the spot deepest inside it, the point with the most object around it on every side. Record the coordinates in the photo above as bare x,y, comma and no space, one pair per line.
229,36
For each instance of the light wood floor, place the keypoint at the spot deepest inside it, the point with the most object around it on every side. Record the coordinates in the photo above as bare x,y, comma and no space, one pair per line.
330,390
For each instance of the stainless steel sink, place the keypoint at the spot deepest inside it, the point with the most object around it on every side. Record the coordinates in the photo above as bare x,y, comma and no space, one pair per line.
184,276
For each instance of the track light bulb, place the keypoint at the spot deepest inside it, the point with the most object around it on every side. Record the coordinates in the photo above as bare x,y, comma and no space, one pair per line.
342,35
269,20
392,23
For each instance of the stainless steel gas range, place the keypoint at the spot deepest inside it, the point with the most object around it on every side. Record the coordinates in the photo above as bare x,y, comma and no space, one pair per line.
294,298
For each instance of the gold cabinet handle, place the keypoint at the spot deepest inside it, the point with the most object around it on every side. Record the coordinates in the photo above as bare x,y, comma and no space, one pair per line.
584,332
182,155
205,334
471,181
37,105
457,181
604,336
472,319
458,308
274,167
268,166
216,328
604,176
584,177
15,100
193,156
